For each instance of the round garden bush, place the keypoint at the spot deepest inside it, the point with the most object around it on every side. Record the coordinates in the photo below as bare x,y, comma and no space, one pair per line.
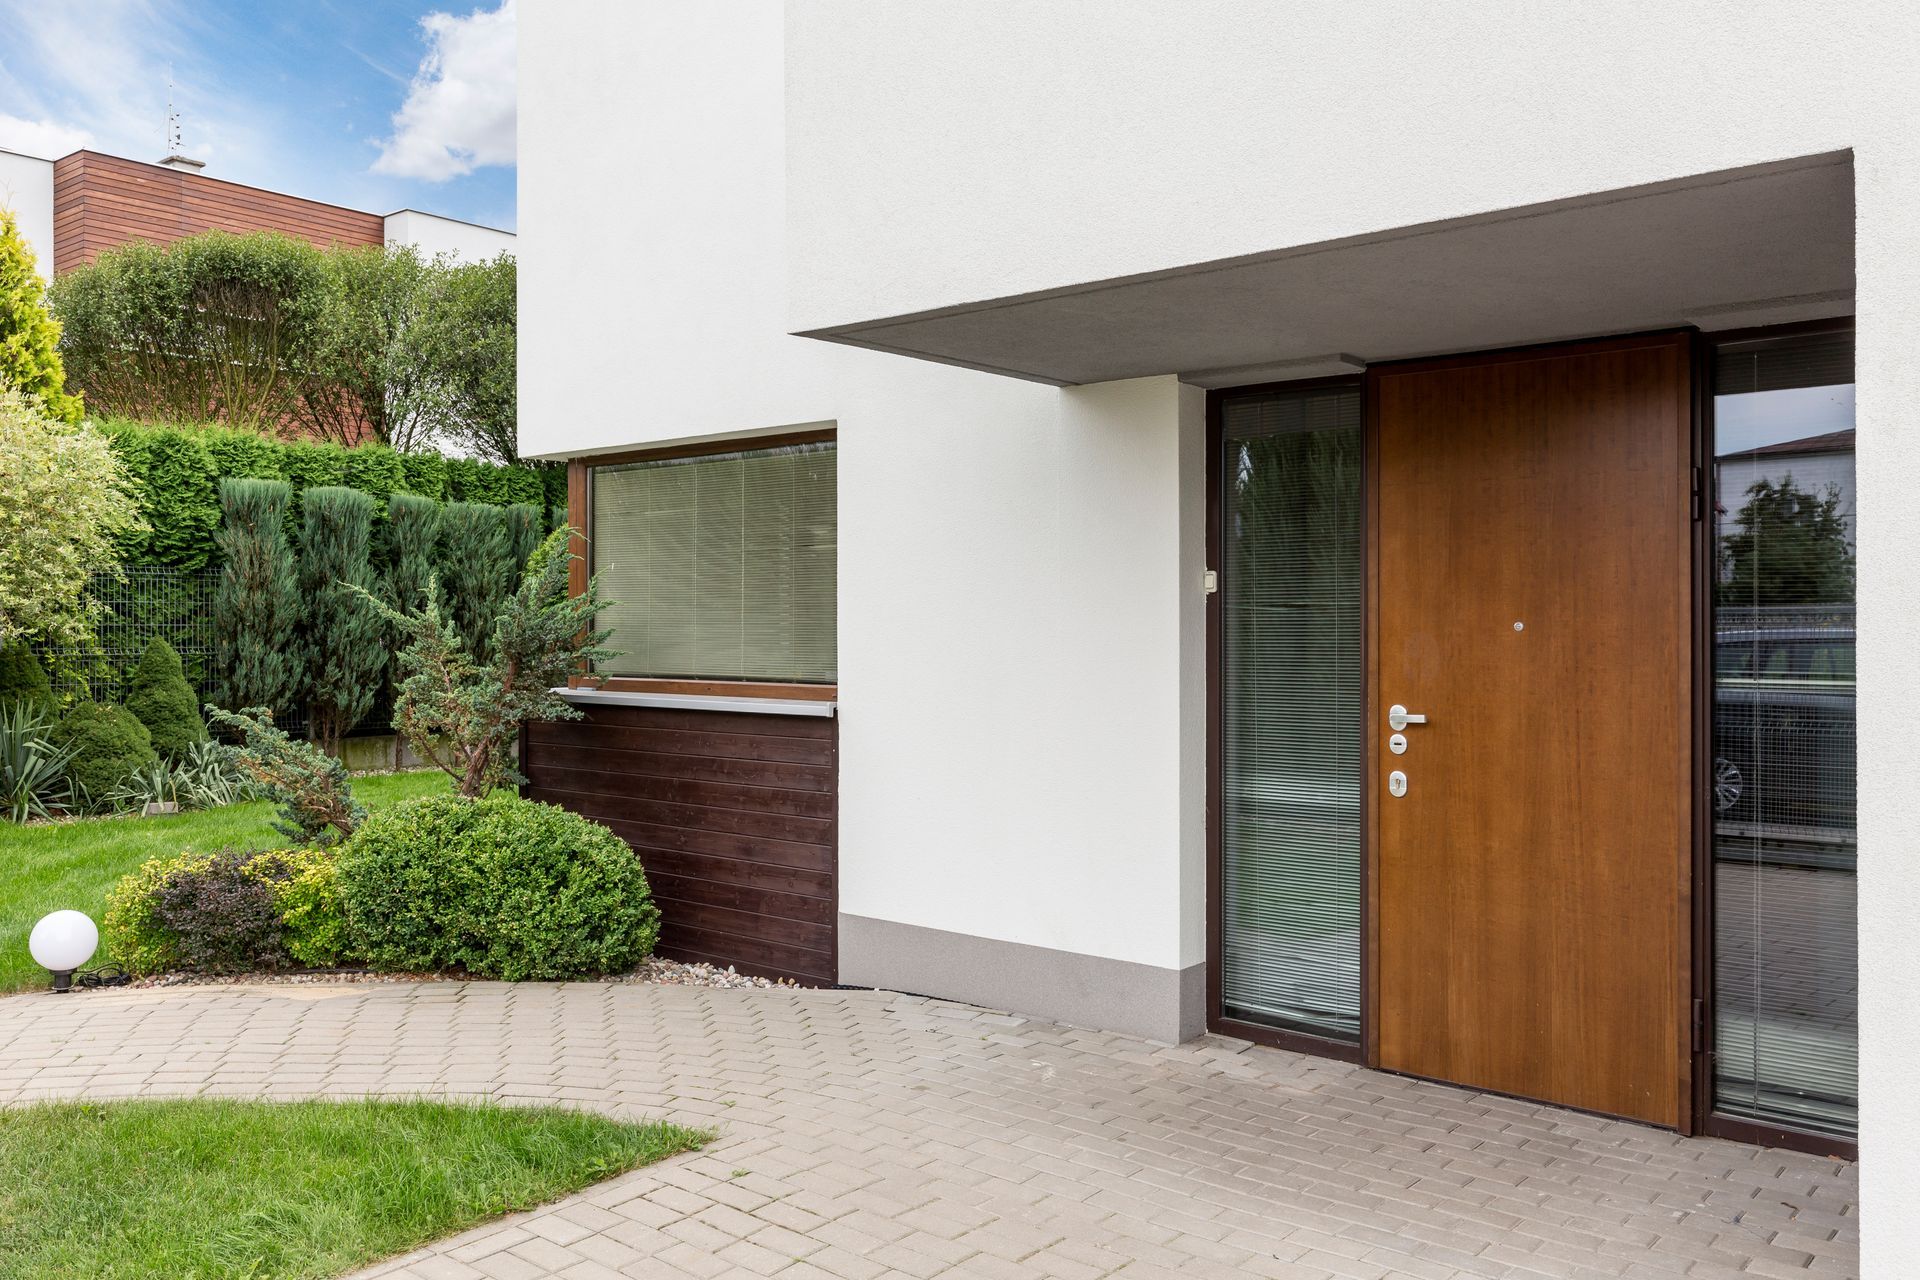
500,887
109,744
22,678
161,698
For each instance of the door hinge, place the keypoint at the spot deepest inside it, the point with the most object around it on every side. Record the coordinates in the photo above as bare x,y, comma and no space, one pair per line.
1699,492
1210,581
1699,1025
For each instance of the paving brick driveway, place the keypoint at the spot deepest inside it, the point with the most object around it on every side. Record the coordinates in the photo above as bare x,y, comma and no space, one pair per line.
868,1134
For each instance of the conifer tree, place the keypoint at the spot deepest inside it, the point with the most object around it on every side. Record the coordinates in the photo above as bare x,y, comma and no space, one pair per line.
415,537
343,639
161,699
257,607
29,335
22,678
476,571
526,529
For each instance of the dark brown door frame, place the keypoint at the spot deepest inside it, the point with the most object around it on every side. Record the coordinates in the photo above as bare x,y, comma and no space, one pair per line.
1703,1118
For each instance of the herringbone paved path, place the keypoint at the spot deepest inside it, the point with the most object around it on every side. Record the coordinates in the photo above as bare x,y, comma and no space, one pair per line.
866,1134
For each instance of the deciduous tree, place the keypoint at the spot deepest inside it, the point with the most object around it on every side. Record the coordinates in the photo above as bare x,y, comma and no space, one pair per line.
64,504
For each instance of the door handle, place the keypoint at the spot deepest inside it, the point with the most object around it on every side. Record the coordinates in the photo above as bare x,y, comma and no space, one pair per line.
1398,717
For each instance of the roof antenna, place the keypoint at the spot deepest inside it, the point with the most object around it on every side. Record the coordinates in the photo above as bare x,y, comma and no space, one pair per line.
177,157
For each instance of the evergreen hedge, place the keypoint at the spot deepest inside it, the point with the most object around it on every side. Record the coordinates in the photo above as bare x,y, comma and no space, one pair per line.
161,699
178,471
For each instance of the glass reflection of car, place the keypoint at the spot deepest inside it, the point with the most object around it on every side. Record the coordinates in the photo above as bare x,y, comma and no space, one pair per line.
1783,733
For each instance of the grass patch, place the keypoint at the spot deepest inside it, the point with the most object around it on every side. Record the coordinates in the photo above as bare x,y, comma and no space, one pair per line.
73,864
205,1188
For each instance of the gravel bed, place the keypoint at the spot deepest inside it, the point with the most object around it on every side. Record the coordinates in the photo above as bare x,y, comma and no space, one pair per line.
664,972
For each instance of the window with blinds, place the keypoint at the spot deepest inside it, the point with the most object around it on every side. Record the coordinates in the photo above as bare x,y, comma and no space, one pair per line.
720,566
1785,848
1290,909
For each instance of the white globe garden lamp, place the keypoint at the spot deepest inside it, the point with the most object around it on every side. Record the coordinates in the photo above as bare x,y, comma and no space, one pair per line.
61,943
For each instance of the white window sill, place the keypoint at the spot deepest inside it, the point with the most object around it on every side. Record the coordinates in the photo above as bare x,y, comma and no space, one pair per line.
700,702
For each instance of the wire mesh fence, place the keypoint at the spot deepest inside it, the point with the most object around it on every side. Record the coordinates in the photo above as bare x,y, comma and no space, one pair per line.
158,601
144,602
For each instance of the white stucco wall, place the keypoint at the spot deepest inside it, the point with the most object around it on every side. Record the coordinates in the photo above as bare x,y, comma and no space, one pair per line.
433,235
947,153
1019,609
1013,559
26,187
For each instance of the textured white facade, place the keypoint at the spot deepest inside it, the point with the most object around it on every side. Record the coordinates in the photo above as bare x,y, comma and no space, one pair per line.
1020,602
433,235
26,188
1020,575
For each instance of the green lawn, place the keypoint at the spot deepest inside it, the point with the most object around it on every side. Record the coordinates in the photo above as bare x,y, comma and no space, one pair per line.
73,864
202,1188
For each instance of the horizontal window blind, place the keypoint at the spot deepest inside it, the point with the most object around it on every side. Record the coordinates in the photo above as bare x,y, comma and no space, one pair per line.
1785,841
721,566
1291,584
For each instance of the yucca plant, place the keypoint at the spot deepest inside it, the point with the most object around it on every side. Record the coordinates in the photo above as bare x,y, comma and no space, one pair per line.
152,783
207,778
33,771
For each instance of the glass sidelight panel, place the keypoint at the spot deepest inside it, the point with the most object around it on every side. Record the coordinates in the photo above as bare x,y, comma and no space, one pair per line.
1291,578
1786,1030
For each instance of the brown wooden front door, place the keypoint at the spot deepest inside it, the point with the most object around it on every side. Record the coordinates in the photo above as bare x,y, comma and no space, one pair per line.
1532,515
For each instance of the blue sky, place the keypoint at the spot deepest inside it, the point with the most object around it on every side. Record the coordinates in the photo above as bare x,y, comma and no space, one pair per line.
374,104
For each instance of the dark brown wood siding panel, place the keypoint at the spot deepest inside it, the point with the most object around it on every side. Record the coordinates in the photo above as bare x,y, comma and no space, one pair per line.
733,815
100,201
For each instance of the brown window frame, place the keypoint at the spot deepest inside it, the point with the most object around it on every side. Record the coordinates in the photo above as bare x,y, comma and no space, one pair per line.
580,517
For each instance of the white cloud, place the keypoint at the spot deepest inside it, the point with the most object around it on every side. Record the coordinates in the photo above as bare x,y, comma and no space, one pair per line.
48,139
460,109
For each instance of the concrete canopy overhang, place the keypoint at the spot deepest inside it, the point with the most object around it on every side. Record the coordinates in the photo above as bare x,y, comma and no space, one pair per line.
1767,244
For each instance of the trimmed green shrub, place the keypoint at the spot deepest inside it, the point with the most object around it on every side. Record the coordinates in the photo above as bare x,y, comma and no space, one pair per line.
464,480
426,474
108,744
306,892
128,443
222,917
22,678
177,498
477,570
500,887
132,936
308,465
343,641
235,453
164,702
376,471
310,786
227,912
257,606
